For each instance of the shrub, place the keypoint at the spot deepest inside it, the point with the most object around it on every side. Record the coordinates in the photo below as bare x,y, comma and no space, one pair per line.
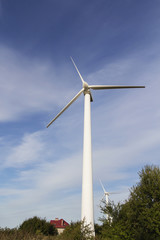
76,231
37,225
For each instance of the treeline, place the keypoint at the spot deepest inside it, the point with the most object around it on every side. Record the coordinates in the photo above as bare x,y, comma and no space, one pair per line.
138,218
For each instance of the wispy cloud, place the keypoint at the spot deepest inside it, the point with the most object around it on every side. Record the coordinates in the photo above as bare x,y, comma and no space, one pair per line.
27,152
27,86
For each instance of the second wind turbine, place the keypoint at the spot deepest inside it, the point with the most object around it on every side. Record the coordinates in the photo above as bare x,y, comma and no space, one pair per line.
87,211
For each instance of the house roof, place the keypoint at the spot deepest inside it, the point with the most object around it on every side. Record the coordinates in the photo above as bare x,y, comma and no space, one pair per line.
59,223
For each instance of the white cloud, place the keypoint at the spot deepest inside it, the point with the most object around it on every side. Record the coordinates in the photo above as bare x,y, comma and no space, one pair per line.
28,86
126,155
29,151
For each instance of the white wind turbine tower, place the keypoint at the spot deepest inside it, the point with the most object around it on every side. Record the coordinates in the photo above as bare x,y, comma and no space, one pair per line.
87,212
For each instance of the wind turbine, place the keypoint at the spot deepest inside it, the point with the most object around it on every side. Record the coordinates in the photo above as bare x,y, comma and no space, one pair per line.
87,212
106,195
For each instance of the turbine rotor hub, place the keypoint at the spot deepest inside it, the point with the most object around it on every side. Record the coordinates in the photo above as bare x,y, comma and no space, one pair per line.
85,86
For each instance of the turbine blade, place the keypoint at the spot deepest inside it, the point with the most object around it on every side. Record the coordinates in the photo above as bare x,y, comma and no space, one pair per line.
100,87
74,99
114,193
102,187
77,70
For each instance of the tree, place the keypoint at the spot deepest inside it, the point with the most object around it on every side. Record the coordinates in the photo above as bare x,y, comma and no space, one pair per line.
98,230
139,217
37,225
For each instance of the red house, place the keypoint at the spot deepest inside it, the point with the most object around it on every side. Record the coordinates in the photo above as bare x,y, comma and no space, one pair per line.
59,224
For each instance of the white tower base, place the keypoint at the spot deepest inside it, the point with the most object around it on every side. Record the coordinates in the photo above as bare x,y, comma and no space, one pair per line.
87,183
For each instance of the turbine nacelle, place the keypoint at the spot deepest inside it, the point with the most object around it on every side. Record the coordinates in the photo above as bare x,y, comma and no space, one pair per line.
106,193
85,86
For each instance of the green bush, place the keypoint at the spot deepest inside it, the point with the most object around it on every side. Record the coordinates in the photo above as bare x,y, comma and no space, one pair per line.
76,231
38,226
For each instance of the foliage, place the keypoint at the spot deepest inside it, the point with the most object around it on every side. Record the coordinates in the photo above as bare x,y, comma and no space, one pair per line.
98,230
76,231
139,217
37,225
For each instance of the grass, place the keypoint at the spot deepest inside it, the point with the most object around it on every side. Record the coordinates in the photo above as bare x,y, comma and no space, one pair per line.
14,234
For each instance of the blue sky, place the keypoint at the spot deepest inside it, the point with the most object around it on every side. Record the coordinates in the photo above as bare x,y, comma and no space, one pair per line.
112,42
